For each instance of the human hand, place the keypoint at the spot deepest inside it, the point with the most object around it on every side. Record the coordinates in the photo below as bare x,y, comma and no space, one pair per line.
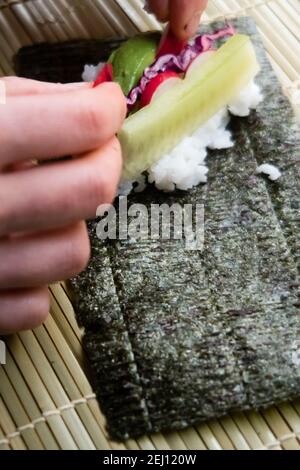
43,238
184,15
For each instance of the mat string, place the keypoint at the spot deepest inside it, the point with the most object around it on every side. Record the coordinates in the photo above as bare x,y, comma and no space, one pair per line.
6,440
47,414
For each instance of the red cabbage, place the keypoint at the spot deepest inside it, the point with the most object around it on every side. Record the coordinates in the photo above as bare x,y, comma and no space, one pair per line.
178,63
170,44
105,75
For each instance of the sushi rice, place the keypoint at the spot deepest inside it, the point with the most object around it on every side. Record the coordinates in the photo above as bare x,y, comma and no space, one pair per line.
185,166
270,170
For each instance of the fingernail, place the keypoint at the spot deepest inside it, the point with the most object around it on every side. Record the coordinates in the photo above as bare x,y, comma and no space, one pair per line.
192,26
77,85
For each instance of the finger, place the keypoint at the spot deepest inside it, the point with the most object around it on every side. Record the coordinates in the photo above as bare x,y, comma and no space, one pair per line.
20,166
43,127
15,86
30,261
59,194
160,8
185,16
23,309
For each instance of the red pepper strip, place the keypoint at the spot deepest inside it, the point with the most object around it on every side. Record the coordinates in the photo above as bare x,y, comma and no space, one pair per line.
105,75
154,84
170,44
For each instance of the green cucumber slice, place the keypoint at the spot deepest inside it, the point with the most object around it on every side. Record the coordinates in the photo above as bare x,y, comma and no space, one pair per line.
156,129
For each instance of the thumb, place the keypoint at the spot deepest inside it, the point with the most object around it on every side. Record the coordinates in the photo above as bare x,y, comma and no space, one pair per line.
185,16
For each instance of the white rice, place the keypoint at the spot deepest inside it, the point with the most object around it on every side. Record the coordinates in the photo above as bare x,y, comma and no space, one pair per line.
185,166
271,171
249,98
91,72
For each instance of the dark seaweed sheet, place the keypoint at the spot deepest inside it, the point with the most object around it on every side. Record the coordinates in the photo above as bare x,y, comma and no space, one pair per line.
62,62
175,337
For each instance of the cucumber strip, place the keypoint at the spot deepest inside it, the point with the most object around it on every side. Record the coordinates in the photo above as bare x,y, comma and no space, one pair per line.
156,129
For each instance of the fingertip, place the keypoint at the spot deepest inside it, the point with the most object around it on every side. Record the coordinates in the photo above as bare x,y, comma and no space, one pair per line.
100,114
111,152
179,32
184,31
192,27
115,90
78,250
111,87
185,17
76,86
103,168
39,309
23,309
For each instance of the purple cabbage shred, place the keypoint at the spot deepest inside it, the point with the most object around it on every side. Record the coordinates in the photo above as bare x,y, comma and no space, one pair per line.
180,63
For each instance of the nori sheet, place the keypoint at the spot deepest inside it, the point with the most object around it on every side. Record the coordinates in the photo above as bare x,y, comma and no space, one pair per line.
64,61
175,337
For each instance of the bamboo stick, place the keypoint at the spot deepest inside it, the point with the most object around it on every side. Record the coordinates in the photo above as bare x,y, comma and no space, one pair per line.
56,391
40,394
18,413
159,442
175,441
22,14
131,444
71,29
42,21
4,442
295,5
236,436
192,439
248,431
280,429
50,20
94,21
13,31
263,430
208,437
8,427
285,13
290,416
60,317
67,308
118,20
280,58
76,385
145,443
29,404
220,435
71,16
278,34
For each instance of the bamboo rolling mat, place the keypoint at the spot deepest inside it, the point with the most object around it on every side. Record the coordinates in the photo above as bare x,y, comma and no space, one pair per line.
46,401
